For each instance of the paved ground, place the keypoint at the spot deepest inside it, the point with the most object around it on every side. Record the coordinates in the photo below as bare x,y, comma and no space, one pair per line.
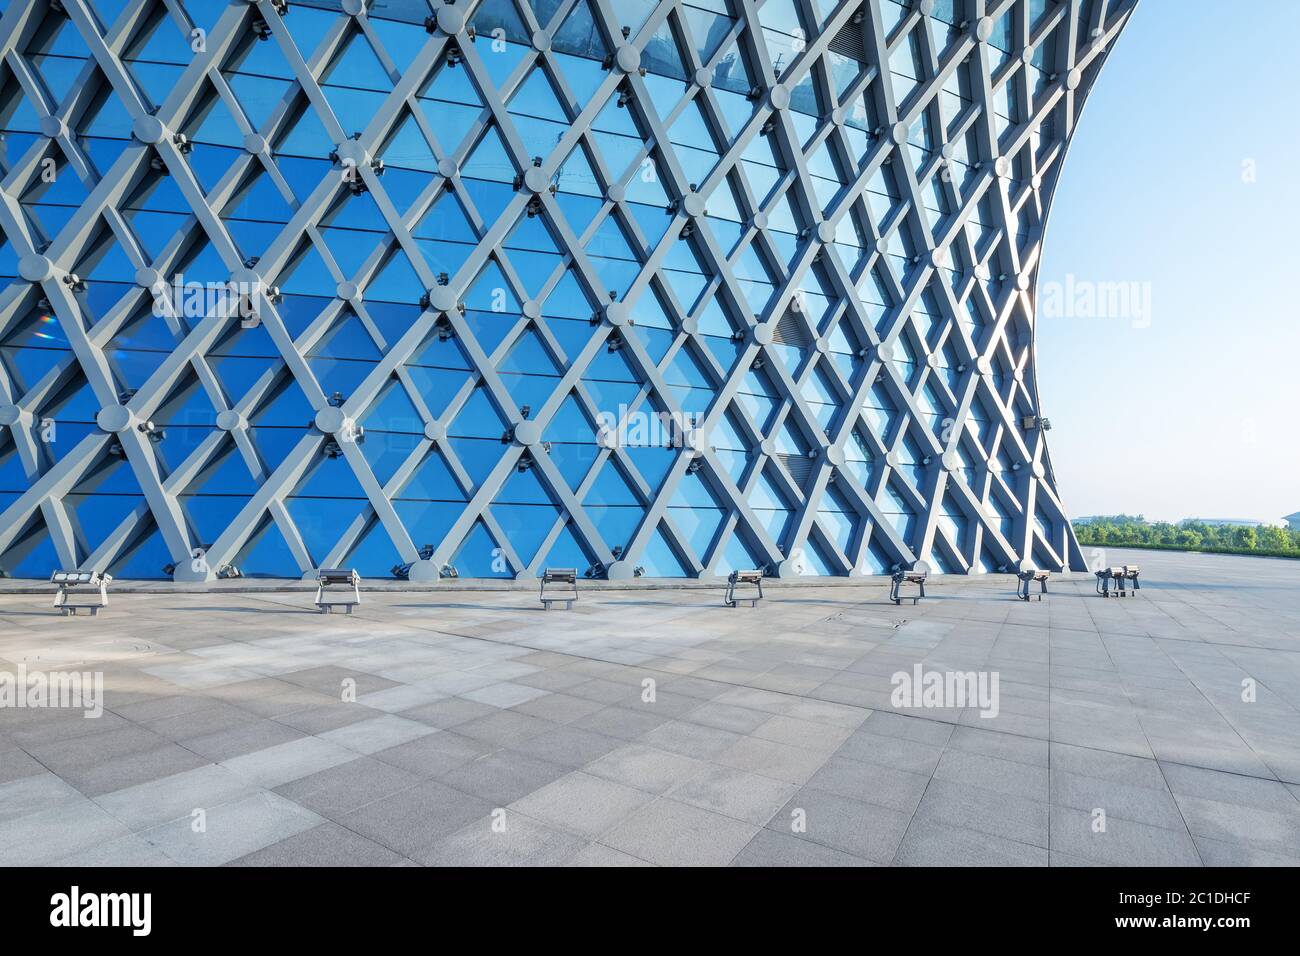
484,731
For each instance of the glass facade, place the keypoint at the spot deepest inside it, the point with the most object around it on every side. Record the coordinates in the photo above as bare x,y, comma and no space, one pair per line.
641,288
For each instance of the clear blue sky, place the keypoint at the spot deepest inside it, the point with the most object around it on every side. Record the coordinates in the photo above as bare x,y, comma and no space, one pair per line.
1153,192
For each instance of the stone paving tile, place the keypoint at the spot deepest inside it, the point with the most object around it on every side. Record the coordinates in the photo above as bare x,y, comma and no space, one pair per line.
257,734
502,777
753,716
801,733
449,712
689,739
504,694
37,838
16,764
76,755
504,728
1218,853
645,768
117,773
1006,746
768,758
200,723
169,798
570,747
1130,801
597,854
871,783
232,830
338,790
930,843
1277,831
434,754
394,700
130,850
734,793
35,792
326,845
924,731
769,848
378,733
280,764
993,773
967,807
1124,842
1119,767
321,718
582,804
896,752
515,840
414,820
851,826
558,708
1216,785
737,720
669,833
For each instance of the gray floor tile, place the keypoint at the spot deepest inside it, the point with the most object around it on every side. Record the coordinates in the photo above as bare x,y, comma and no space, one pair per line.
515,840
37,838
993,773
963,806
767,758
435,754
669,833
860,829
414,820
1005,746
769,848
1142,804
645,768
597,854
582,804
734,793
929,843
378,733
689,739
169,798
299,758
925,731
503,777
570,747
870,783
896,752
338,790
326,845
232,830
1124,842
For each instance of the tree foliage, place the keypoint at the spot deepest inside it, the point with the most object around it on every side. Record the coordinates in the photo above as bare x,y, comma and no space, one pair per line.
1135,531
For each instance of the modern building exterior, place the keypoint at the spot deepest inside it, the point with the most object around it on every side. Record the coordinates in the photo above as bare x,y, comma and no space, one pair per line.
642,288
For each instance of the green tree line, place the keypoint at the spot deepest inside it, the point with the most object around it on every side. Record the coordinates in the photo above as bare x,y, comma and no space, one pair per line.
1136,532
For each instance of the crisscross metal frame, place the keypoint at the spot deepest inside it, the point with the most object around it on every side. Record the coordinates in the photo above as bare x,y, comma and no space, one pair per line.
1011,171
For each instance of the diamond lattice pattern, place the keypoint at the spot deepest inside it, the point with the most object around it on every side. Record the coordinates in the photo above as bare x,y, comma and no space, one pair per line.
639,287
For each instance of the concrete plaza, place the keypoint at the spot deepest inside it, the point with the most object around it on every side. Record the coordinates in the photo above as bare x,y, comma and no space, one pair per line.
659,727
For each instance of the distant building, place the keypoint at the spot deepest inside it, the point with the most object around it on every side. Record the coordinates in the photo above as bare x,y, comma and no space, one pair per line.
1293,521
1235,522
